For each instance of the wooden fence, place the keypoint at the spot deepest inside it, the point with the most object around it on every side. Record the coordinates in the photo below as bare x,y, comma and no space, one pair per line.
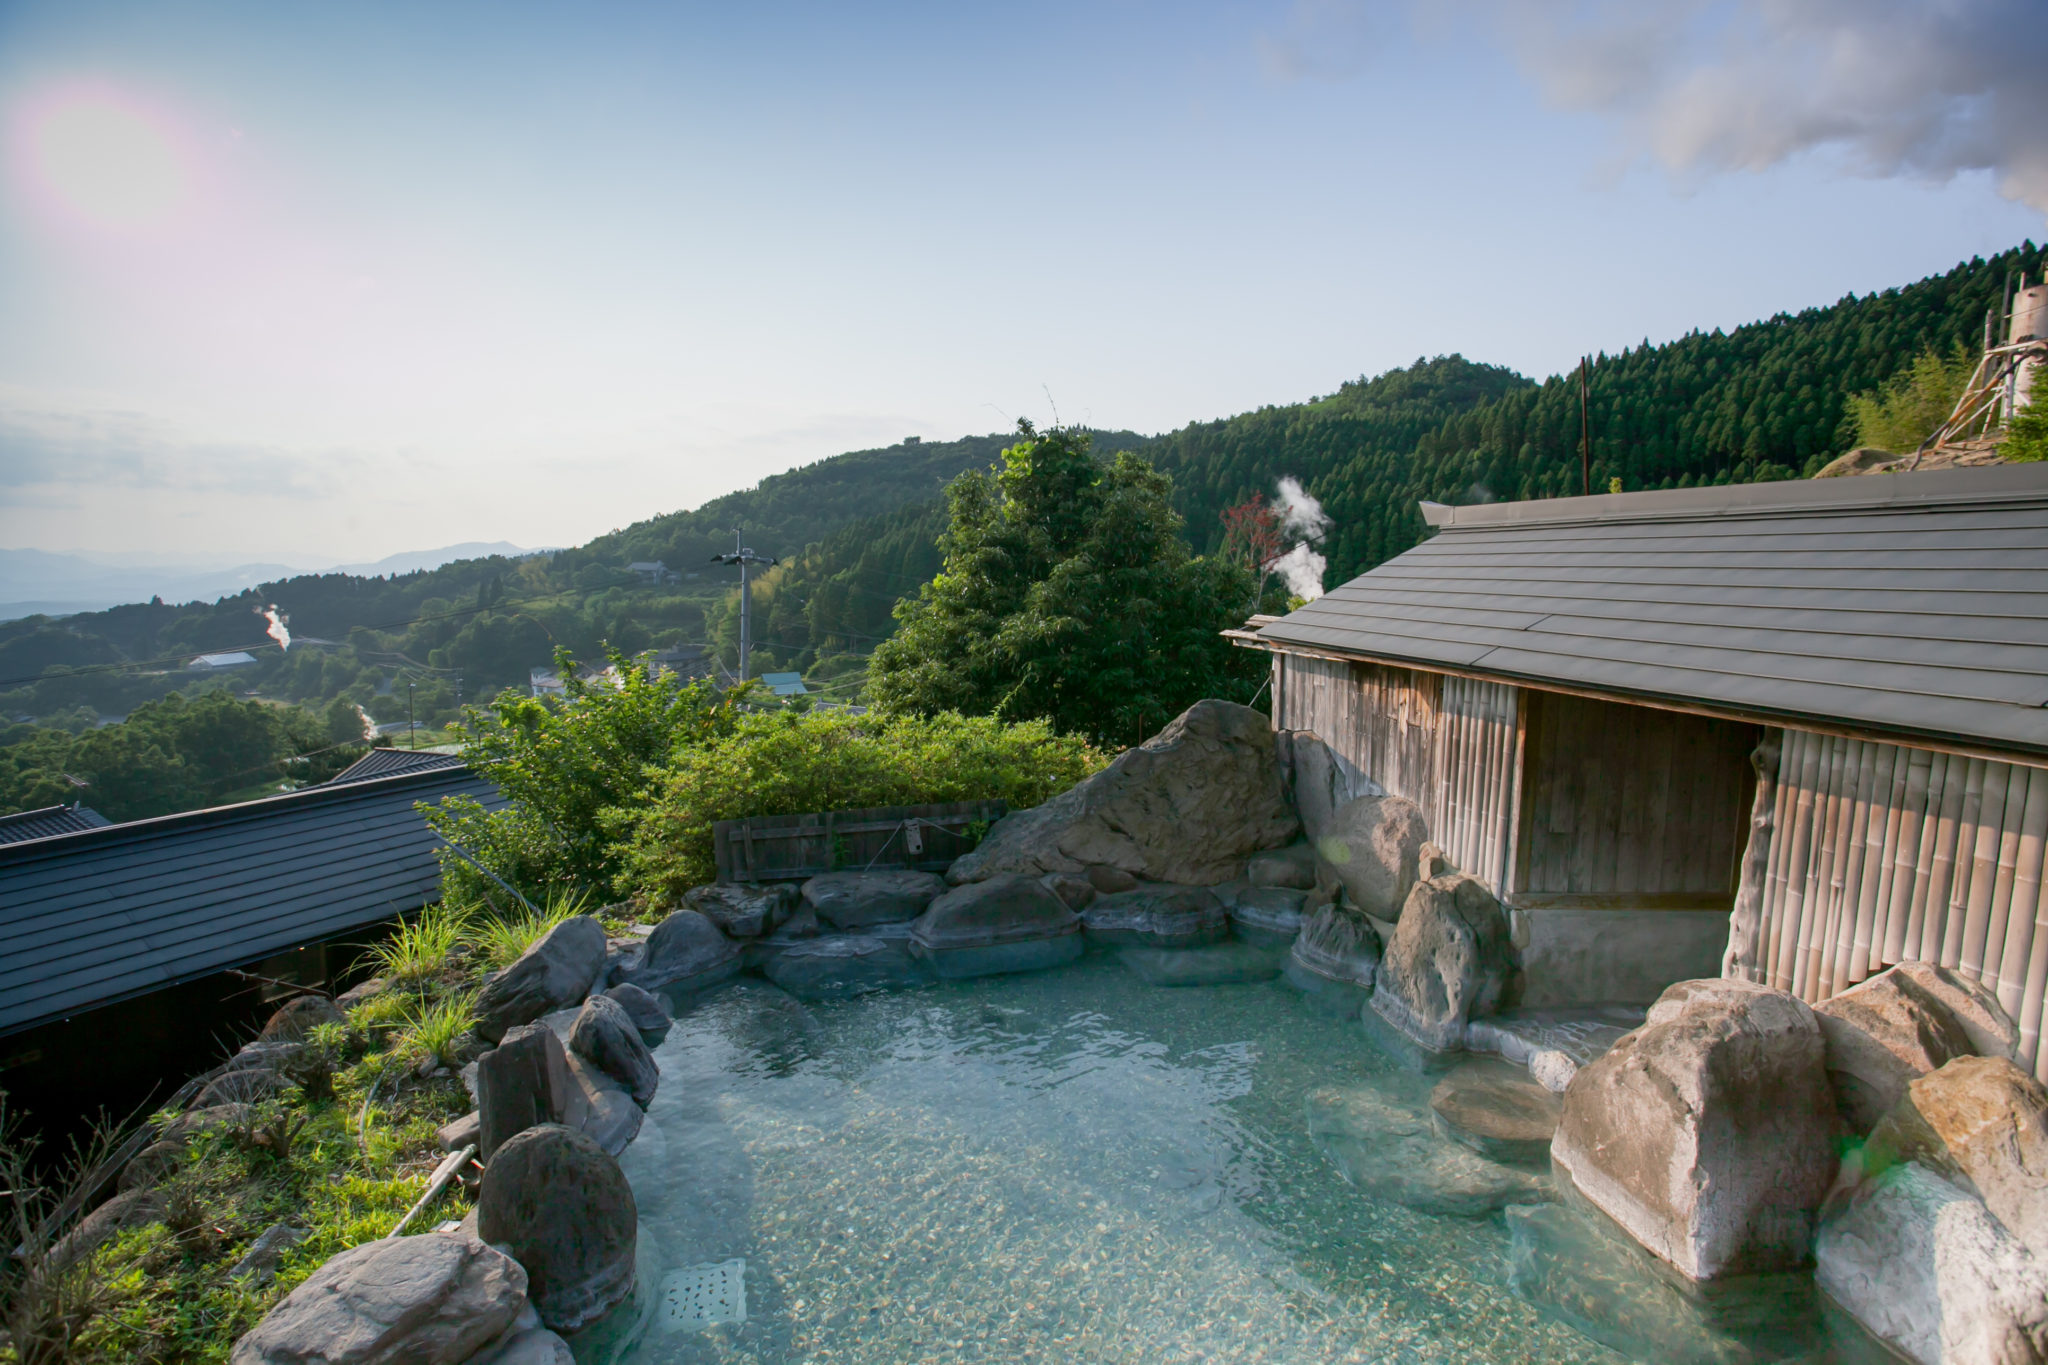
766,848
1878,854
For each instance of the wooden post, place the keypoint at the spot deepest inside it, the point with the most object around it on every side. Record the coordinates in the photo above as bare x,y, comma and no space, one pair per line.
1585,432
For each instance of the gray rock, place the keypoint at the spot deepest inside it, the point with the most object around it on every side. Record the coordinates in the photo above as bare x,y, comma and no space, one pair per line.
533,1346
1373,848
1337,955
1552,1043
556,972
132,1208
519,1083
686,952
1268,916
1708,1134
1880,1035
859,900
1007,923
1390,1152
604,1036
1610,1291
427,1300
1187,806
1926,1269
1158,917
259,1262
645,1009
744,909
1322,780
560,1206
1497,1110
1075,890
361,991
1221,964
1452,958
243,1085
1110,880
298,1017
1971,1003
1293,867
1981,1122
467,1131
599,1107
839,966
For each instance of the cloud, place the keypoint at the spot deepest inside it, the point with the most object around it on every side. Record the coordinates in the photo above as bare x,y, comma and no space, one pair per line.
1917,88
1324,39
52,451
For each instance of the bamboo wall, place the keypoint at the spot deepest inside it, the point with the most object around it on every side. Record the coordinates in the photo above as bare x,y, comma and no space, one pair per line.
1451,745
1879,854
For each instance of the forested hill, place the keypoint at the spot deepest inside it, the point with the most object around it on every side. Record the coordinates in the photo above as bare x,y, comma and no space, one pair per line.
1765,401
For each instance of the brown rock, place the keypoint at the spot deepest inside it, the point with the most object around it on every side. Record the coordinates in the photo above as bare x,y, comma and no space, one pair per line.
1880,1035
1497,1111
1991,1030
1451,958
1187,806
1110,880
1293,867
1708,1134
1373,849
1983,1123
298,1017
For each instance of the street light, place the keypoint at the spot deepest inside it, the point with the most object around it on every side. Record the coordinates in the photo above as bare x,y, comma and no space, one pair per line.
745,558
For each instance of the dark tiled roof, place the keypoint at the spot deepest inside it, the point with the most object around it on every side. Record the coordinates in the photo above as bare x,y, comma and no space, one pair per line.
390,762
1911,604
107,914
38,824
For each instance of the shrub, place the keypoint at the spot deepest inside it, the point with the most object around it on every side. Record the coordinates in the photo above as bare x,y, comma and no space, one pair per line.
789,762
2027,439
1918,400
417,952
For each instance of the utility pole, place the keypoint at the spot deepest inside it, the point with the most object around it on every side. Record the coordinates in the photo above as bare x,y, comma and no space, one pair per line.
1585,435
412,733
746,559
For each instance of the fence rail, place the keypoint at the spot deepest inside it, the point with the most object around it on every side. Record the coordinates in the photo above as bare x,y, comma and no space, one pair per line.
767,848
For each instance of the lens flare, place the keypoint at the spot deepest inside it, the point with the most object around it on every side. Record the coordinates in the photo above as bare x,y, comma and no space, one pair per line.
108,161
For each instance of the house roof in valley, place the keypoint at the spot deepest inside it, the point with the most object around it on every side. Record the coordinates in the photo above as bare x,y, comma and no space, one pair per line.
1913,605
38,824
96,916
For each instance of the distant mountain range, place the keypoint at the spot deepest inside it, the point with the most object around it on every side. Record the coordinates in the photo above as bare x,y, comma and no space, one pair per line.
33,581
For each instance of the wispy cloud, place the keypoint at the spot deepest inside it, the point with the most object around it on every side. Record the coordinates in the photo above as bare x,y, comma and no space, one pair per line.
1897,88
1326,39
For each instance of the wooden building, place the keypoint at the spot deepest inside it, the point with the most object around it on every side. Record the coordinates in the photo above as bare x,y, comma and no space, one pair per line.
1793,732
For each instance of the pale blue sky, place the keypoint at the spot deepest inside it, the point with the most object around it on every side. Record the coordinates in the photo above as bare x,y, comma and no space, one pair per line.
327,285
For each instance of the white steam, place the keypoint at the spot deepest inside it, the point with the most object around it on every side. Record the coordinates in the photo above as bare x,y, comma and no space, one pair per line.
1893,87
369,725
1303,520
277,629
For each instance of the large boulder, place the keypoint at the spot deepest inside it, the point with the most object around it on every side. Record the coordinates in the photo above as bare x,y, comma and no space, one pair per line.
555,973
859,900
1452,958
743,909
560,1206
1880,1035
1189,806
1373,848
298,1017
1983,1123
1970,1003
1158,917
605,1036
598,1106
522,1081
1009,923
434,1299
646,1011
686,952
1335,959
838,966
132,1208
1268,916
1708,1134
1925,1268
1293,866
1322,780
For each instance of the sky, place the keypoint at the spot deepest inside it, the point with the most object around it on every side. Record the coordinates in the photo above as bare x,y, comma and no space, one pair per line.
325,283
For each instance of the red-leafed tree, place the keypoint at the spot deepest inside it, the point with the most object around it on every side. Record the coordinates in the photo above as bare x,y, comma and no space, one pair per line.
1251,536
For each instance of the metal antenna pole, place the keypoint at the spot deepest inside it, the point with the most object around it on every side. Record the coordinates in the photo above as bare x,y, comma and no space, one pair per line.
746,559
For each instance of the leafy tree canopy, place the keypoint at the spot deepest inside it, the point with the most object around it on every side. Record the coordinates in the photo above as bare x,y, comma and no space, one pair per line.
1067,595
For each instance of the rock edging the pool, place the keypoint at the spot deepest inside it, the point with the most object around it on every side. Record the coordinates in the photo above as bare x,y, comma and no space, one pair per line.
1705,1132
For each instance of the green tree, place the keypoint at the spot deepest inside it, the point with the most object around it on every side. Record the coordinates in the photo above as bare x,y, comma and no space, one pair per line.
1914,404
2027,439
1067,594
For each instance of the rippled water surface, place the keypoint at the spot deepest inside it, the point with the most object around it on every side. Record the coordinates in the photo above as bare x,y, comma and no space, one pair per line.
1059,1166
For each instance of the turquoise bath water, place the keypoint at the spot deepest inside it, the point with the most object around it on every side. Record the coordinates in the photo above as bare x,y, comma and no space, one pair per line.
1059,1166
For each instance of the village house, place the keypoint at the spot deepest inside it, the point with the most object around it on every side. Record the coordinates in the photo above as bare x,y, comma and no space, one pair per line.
1790,732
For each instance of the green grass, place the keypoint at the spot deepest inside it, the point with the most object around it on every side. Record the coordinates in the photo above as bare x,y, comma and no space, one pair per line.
417,953
499,940
436,1030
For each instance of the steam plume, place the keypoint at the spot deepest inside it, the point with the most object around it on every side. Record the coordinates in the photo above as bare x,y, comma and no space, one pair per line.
277,630
1303,519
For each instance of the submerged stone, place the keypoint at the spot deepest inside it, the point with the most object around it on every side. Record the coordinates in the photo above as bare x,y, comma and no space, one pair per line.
1390,1151
1552,1043
837,966
1269,916
1497,1110
1222,964
1158,917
